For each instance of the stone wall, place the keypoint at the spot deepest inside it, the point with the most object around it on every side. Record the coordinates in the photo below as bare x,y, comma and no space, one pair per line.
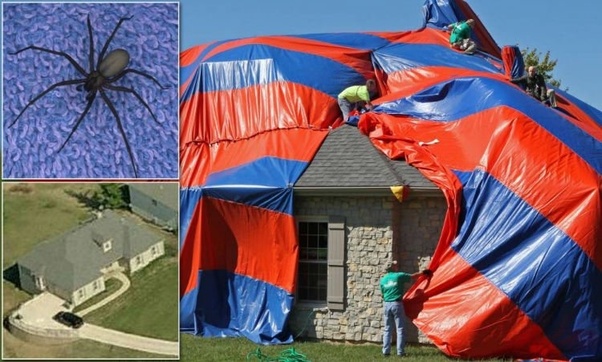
379,229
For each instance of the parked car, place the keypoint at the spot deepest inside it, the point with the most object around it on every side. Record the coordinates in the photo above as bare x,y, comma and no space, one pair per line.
69,319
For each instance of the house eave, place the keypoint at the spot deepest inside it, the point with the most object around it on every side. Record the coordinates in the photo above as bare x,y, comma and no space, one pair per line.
359,191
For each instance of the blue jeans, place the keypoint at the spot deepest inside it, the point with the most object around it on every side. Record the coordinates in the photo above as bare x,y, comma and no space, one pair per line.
393,314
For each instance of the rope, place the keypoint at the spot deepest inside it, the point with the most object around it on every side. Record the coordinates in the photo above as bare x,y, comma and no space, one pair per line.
287,355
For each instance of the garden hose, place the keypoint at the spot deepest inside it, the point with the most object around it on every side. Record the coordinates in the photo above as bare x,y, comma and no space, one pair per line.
287,355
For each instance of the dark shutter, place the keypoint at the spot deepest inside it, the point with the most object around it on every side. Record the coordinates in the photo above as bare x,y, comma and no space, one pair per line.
336,263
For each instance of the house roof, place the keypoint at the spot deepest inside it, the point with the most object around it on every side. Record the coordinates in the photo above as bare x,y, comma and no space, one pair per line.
75,258
347,159
164,192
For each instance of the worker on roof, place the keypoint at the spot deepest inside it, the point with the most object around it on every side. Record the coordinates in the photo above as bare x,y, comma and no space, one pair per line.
356,97
460,36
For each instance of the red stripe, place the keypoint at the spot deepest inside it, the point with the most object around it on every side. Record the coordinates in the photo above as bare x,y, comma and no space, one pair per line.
454,309
421,36
242,113
267,253
496,137
191,55
407,82
359,60
198,160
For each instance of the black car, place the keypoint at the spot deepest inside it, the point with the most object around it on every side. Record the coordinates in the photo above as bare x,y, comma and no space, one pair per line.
69,319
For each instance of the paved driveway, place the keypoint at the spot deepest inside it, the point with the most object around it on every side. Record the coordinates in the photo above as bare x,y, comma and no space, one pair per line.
36,314
40,310
131,341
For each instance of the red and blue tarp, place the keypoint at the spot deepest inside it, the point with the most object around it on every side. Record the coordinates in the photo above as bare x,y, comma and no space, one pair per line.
517,270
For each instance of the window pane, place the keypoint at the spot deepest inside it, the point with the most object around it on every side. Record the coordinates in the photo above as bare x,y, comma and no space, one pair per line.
312,228
323,228
323,241
302,228
322,254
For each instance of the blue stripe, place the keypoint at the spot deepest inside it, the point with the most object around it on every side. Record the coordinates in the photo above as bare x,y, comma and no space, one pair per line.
459,98
232,305
540,268
398,57
189,199
591,111
361,41
265,171
288,65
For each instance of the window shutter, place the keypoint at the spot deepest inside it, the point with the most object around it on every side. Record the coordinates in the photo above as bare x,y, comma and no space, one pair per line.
336,263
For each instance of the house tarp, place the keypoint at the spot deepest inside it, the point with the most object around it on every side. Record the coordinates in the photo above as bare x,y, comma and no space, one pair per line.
517,270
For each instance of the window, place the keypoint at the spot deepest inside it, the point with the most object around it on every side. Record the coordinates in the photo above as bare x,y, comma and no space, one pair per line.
40,283
80,293
107,245
153,250
313,261
95,285
138,260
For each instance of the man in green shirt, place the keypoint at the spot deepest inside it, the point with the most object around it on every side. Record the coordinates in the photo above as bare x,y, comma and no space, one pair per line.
460,36
356,96
391,286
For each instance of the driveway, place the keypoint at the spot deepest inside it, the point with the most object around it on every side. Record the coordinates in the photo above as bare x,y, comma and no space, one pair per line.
36,316
130,341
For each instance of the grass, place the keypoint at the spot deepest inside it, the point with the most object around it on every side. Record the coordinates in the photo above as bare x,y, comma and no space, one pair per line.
46,205
12,297
150,307
111,286
194,348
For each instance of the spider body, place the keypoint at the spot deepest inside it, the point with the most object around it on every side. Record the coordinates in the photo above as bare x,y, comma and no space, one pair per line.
100,78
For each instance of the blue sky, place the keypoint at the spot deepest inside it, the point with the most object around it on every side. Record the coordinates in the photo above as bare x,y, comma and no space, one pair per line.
570,30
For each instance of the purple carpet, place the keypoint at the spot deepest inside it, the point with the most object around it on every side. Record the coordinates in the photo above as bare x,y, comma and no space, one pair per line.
97,149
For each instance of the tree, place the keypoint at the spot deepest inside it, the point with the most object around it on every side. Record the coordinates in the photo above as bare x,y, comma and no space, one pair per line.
544,64
110,196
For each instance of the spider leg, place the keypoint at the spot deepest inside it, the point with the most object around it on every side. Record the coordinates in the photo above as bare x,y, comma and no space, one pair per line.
104,48
63,54
79,120
55,85
91,55
139,73
130,90
120,126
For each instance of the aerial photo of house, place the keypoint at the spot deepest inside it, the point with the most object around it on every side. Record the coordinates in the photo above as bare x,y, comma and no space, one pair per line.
80,267
72,265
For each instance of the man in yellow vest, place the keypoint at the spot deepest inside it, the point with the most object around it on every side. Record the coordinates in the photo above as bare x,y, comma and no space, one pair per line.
356,96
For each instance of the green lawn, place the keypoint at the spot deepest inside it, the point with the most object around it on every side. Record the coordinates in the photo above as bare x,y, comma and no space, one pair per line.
150,307
111,286
240,349
45,205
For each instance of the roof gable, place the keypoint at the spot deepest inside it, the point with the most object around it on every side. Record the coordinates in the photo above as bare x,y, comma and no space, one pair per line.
347,159
76,257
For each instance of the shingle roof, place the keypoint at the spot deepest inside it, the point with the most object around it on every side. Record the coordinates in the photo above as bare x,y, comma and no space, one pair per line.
75,258
163,192
347,159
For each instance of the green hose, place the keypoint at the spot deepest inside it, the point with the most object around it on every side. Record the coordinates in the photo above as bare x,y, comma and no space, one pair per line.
288,355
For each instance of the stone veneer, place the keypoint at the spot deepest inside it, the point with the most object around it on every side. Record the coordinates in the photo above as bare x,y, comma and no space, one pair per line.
379,229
